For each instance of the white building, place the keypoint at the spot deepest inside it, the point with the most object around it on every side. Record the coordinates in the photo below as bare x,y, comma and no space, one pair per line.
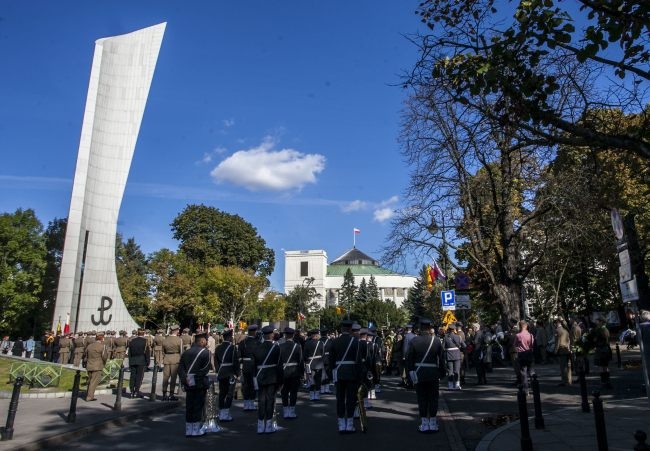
120,79
328,278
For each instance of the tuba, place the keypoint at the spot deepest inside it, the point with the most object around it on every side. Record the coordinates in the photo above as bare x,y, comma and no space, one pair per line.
210,410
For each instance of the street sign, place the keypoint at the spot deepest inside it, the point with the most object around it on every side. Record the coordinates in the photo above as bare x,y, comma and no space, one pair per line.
629,291
462,281
617,224
625,270
448,300
463,302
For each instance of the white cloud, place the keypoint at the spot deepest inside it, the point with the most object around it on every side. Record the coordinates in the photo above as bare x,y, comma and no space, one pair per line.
227,123
263,168
389,201
209,156
383,214
355,205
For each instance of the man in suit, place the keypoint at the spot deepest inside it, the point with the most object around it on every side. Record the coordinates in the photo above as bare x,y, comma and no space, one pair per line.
266,358
226,362
424,361
137,349
95,357
291,361
193,369
345,361
172,347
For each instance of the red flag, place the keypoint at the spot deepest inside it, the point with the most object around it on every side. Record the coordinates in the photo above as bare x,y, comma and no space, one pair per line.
66,328
301,317
357,231
438,274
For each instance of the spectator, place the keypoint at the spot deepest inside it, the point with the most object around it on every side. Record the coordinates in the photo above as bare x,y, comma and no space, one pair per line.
29,347
541,341
5,346
18,348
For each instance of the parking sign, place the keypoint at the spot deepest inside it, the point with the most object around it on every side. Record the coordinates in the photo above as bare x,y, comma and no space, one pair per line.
448,300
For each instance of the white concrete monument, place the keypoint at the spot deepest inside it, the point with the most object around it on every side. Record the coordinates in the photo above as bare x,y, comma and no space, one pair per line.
120,79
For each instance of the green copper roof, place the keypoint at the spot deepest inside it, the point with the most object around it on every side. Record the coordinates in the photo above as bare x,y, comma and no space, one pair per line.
359,270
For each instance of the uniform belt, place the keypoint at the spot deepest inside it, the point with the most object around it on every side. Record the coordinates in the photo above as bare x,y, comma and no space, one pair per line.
345,362
451,349
247,358
427,365
170,353
226,364
291,364
261,367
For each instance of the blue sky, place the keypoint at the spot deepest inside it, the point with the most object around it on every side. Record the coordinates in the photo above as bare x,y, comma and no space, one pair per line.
304,92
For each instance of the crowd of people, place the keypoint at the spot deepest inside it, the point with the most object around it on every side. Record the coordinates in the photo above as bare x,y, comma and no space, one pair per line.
259,363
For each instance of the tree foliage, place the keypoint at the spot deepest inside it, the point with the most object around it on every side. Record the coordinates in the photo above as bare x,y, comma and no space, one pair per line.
348,293
211,237
22,266
132,276
302,300
229,293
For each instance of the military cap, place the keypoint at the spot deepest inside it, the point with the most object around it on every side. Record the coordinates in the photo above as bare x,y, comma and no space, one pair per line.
187,329
314,332
100,334
363,331
451,326
372,328
346,323
323,330
133,332
252,327
93,332
122,332
268,330
288,330
227,333
356,326
424,322
199,336
371,333
459,324
174,327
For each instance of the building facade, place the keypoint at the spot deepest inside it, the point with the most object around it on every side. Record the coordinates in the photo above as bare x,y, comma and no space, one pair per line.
300,266
88,293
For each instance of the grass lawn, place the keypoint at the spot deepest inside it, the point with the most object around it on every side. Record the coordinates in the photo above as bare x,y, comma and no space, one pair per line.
65,384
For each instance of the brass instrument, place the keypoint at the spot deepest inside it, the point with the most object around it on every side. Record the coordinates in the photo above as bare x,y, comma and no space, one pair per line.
362,394
210,413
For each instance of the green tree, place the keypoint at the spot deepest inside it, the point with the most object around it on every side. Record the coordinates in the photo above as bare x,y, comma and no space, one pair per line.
230,293
133,279
54,242
373,289
330,317
381,313
212,237
175,287
270,308
362,292
22,266
348,293
302,300
531,57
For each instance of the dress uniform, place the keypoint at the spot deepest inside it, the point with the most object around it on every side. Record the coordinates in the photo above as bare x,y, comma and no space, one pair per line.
226,362
246,353
158,353
292,364
172,347
327,371
95,357
119,346
186,338
78,352
109,342
345,361
424,361
313,352
137,361
149,351
379,360
193,369
453,346
64,349
268,375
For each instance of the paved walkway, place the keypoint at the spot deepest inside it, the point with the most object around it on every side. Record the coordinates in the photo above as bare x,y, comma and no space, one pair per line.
573,430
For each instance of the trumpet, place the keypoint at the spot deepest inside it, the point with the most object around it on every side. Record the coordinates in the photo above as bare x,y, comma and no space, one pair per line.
210,411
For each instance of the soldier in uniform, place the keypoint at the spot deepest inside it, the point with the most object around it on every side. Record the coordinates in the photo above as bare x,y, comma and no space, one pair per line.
137,349
95,357
64,349
109,342
600,339
292,369
78,352
424,361
226,362
345,363
453,346
313,351
119,346
367,352
379,359
172,347
158,354
193,367
186,338
246,353
149,338
327,371
406,342
268,374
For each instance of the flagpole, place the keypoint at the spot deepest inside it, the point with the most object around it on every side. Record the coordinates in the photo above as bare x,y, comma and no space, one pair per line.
354,238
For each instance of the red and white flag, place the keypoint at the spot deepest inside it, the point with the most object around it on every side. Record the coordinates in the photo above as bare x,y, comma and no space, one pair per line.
437,272
357,231
301,317
66,328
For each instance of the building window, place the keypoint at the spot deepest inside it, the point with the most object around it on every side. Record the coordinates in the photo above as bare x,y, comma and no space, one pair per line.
304,269
399,292
388,291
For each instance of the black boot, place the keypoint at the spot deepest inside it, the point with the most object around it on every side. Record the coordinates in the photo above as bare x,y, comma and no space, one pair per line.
604,379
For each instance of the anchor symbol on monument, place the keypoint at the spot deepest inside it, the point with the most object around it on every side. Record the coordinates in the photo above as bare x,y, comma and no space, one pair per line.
102,308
